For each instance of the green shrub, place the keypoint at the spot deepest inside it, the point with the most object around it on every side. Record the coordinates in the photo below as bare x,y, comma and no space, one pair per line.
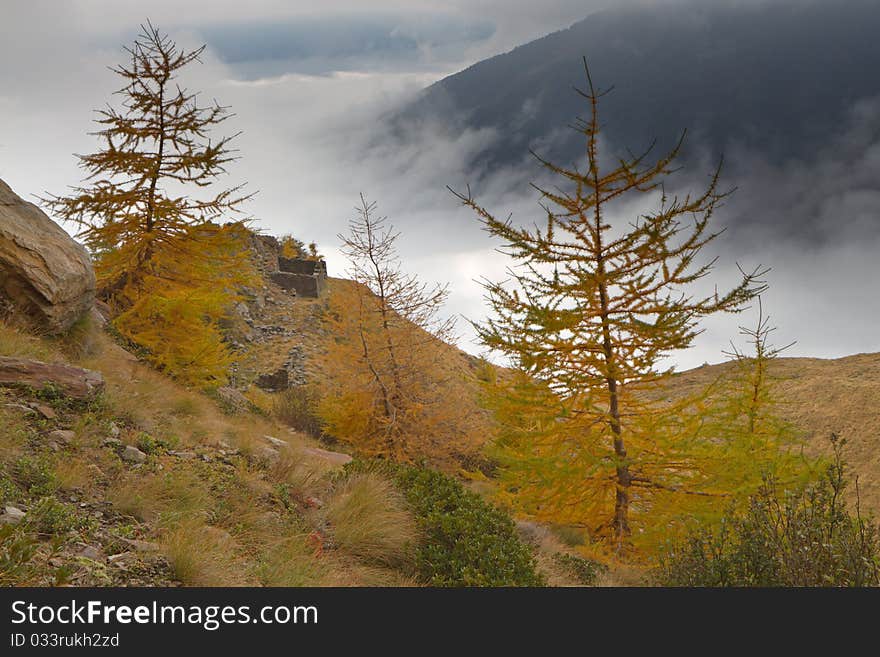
9,492
17,548
51,517
35,474
584,570
464,541
803,537
146,443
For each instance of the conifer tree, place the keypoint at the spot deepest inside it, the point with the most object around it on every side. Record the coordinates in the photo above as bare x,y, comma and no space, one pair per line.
146,212
742,425
592,309
387,376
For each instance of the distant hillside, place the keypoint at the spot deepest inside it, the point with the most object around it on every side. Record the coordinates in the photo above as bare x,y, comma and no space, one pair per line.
778,77
820,396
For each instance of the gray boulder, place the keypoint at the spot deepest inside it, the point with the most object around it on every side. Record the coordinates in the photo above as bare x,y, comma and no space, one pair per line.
11,516
44,274
132,454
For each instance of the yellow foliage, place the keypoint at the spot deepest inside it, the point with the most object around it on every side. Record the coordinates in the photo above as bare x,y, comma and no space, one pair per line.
590,311
175,310
435,411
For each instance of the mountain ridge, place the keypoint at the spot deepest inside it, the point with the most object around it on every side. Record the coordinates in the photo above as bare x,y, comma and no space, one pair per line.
662,61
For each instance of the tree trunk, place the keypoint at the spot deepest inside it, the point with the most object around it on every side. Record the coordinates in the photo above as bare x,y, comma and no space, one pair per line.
624,477
620,523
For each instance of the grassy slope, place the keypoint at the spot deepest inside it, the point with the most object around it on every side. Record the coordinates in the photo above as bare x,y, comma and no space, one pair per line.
819,397
208,507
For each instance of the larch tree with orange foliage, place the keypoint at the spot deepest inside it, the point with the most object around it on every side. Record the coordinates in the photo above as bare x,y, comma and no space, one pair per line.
389,400
589,314
164,262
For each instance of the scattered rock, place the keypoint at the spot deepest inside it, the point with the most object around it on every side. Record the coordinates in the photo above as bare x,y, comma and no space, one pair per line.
62,436
120,559
114,430
44,273
46,411
336,458
243,311
27,410
74,382
266,453
276,441
186,456
234,399
91,552
132,454
11,516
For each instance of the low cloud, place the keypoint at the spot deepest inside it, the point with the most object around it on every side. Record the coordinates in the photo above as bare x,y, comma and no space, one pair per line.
312,142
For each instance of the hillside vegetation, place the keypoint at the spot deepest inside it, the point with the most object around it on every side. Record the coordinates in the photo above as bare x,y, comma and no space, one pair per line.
153,483
819,397
244,420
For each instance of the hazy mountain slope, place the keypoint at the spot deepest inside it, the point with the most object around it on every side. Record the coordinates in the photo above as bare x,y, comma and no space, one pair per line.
776,76
820,396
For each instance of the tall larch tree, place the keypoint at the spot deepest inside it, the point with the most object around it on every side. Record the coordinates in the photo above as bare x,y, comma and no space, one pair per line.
592,308
148,216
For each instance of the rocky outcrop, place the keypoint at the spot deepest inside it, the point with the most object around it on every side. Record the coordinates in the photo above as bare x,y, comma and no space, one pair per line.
74,382
44,274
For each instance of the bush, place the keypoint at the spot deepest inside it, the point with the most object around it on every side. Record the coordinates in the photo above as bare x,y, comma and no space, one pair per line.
17,549
35,475
464,540
53,518
584,570
291,563
296,408
201,555
8,490
804,537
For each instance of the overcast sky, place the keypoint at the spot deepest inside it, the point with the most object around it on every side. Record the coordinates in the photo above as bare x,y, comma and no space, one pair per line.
308,83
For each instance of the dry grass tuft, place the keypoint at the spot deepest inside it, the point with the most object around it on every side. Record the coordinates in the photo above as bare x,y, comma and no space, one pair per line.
201,555
293,468
292,563
19,344
369,520
72,474
167,497
13,432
